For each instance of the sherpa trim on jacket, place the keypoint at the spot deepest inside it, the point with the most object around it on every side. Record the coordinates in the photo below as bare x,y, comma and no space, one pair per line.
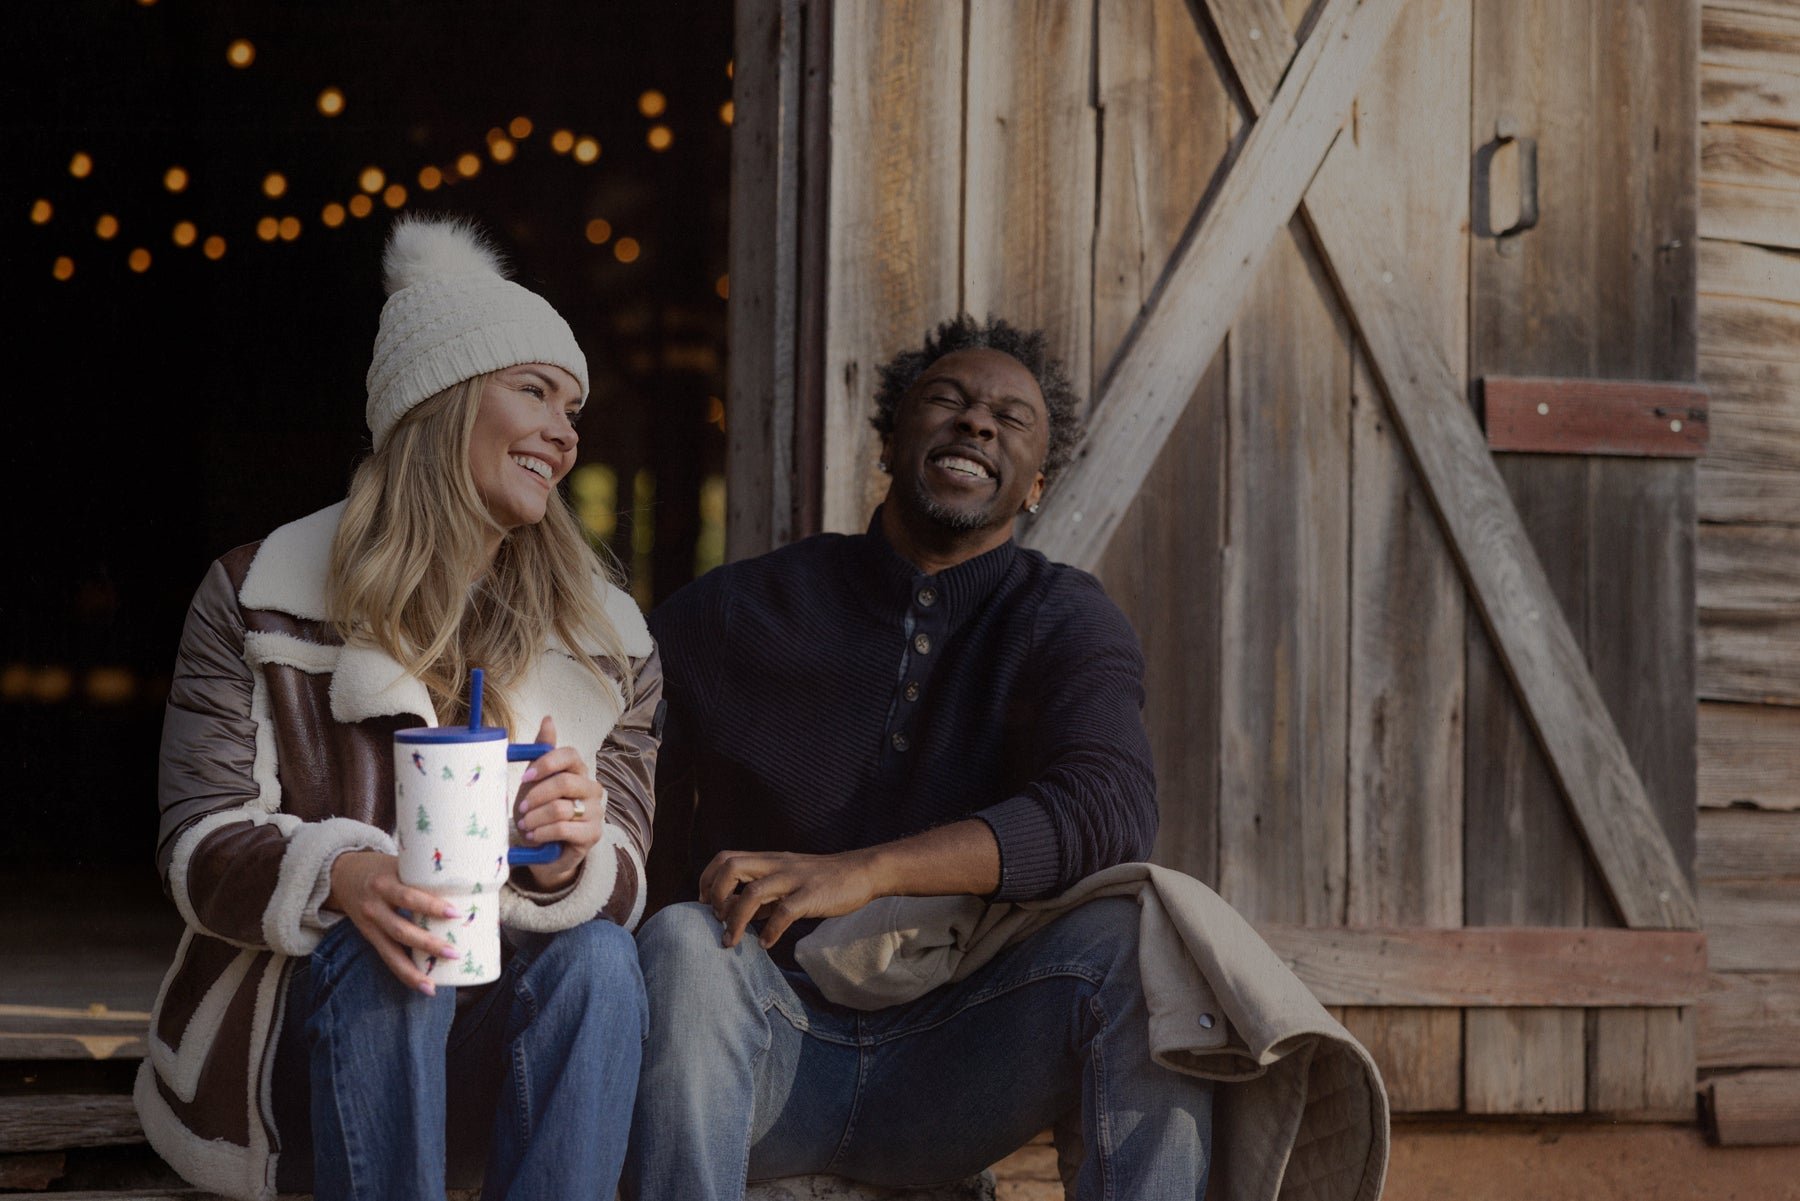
247,841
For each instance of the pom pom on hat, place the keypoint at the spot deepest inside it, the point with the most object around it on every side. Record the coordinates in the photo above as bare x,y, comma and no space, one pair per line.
452,314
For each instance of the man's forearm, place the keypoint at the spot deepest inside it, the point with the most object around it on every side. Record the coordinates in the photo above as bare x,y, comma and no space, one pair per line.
957,858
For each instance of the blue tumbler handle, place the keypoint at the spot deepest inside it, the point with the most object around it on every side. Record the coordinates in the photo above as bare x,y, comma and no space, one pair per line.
524,752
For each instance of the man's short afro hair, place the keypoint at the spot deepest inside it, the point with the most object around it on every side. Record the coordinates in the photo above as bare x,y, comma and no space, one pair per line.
1030,347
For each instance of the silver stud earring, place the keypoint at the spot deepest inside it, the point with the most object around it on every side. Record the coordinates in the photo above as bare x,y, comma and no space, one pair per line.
1031,509
882,465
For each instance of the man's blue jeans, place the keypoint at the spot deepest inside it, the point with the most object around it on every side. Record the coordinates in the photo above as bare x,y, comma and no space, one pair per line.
540,1068
749,1073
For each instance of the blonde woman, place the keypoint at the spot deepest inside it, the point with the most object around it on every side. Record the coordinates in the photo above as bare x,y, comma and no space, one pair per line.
295,1045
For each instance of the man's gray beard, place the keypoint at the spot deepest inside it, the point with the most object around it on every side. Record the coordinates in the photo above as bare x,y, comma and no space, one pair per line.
944,515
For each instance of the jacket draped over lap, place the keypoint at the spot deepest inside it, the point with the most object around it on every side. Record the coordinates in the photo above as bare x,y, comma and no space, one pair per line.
277,757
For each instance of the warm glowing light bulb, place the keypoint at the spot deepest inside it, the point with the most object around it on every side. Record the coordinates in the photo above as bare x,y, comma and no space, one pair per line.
659,137
175,179
240,53
468,166
106,226
81,166
430,178
587,150
598,230
185,233
213,248
626,250
41,212
730,68
139,260
274,185
502,150
332,215
331,102
722,286
268,229
372,179
727,113
519,127
652,103
289,229
361,206
395,196
63,267
561,141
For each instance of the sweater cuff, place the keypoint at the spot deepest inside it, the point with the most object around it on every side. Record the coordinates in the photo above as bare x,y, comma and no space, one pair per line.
1030,861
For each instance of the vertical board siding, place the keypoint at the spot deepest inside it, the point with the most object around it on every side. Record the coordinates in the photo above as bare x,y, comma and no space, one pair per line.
1286,624
1408,609
1167,122
1028,171
895,218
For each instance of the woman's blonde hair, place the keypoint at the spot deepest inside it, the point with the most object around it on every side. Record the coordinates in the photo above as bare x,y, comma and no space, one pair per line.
408,571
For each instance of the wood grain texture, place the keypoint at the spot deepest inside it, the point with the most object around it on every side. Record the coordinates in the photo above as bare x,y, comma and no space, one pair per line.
1030,131
1168,124
1748,1019
1752,925
1213,272
1751,154
1639,418
765,197
57,1123
1745,844
1754,457
1285,631
1737,269
1750,657
1752,41
1641,1064
1407,605
1745,213
1749,756
1751,1109
896,208
1753,96
1493,965
1751,329
1749,568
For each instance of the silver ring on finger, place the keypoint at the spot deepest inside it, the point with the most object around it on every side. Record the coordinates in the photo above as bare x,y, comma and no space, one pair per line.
579,808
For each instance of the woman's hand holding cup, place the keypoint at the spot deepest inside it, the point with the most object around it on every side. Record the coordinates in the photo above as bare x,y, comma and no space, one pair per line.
366,888
560,802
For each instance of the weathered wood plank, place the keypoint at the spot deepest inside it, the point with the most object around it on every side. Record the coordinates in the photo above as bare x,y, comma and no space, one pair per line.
896,205
1214,270
1749,471
1498,966
1749,568
1524,1061
1752,96
1408,610
1752,925
1641,1064
1751,154
1749,657
1028,171
1285,632
1749,1019
1743,213
1747,844
1754,1108
1642,418
57,1123
1753,329
765,166
1753,41
1749,756
1738,269
31,1171
1169,123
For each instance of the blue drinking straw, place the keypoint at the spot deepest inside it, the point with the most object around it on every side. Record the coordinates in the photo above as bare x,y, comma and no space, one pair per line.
475,699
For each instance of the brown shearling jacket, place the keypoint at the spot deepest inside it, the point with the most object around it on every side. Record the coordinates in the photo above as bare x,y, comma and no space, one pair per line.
276,758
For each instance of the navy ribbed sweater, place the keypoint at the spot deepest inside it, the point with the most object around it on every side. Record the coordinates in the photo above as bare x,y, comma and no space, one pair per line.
828,696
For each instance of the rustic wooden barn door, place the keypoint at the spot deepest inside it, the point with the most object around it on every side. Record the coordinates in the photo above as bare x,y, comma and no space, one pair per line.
1423,712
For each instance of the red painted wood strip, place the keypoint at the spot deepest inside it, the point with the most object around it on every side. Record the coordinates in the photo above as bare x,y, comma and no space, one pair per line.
1495,966
1595,417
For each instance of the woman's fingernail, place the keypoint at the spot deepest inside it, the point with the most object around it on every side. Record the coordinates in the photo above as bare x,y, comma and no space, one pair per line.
530,774
428,988
531,835
450,911
449,952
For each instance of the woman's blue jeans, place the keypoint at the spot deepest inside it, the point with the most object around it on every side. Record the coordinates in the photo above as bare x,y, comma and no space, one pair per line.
535,1073
749,1073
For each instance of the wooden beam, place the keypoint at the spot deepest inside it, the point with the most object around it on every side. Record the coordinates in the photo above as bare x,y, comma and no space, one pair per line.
1748,1020
1642,418
56,1123
1183,327
1646,880
1749,756
1753,1109
1494,966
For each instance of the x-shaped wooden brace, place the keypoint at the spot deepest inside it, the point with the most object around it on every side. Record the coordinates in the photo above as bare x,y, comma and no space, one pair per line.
1291,161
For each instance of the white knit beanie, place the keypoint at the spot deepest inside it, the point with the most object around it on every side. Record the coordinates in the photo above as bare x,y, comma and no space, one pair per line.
451,314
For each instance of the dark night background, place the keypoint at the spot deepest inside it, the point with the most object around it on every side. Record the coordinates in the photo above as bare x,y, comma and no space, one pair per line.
160,417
